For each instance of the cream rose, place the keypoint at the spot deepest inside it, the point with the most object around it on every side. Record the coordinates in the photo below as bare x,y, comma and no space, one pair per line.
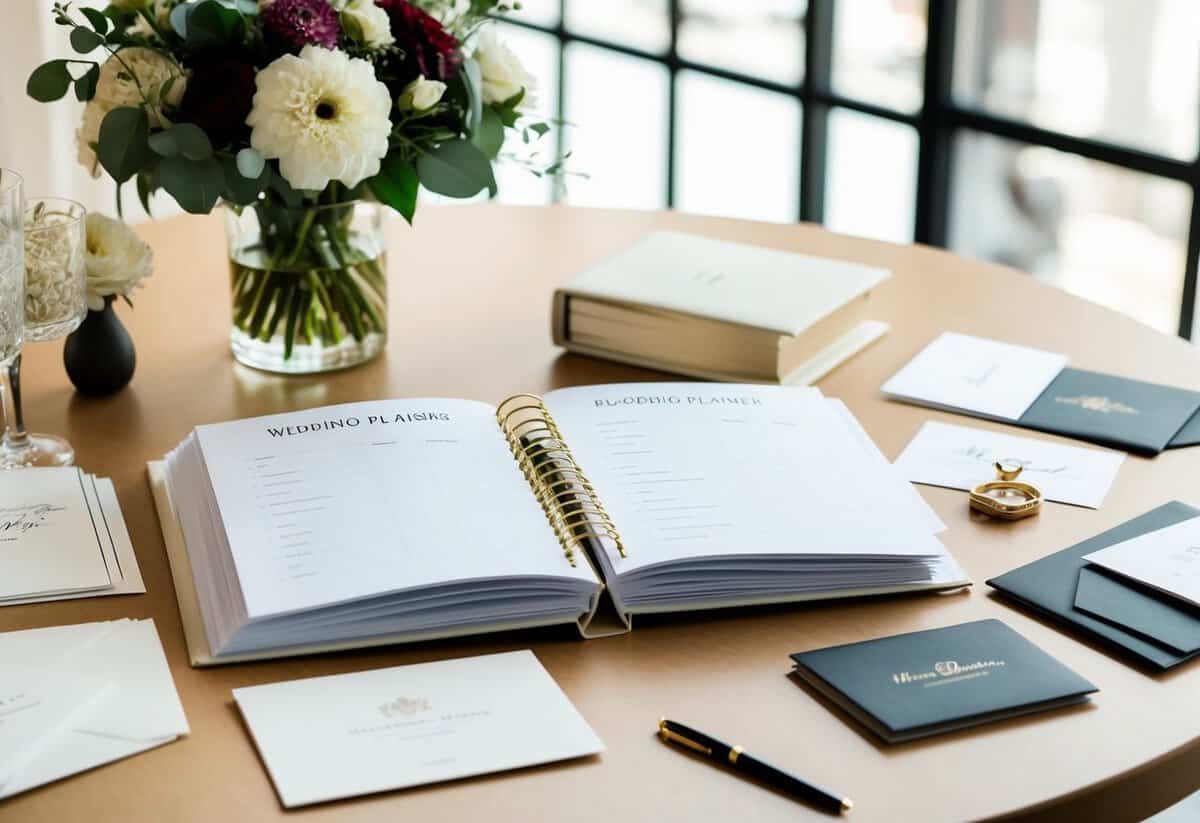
117,87
503,74
421,94
117,260
367,23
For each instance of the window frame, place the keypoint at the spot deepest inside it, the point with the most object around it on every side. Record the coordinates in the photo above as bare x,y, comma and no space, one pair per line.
937,122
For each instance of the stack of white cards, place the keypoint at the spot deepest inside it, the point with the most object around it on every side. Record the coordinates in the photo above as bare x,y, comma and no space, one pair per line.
76,697
62,536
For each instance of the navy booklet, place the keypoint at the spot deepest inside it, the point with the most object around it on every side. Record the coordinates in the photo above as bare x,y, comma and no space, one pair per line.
1138,622
1037,390
923,683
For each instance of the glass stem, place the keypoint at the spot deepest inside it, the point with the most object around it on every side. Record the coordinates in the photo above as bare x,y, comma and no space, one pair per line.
15,435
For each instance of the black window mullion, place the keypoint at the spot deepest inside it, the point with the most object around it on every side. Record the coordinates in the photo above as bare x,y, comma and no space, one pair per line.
933,162
1187,310
560,103
672,61
814,141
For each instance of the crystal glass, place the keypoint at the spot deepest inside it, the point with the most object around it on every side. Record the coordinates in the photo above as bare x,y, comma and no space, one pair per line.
309,285
55,302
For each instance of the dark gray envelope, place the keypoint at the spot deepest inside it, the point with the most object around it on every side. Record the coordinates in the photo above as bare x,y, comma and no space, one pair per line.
1152,614
1114,411
1048,587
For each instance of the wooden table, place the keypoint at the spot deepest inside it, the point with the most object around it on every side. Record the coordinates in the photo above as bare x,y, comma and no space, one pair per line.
469,317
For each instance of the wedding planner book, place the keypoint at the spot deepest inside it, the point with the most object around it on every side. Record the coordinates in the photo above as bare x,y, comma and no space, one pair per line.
719,310
395,520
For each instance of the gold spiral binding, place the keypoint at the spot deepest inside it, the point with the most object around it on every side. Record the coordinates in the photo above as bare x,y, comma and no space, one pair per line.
562,490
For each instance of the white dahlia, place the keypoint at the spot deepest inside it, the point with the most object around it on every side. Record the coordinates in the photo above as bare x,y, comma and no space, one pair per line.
117,260
323,115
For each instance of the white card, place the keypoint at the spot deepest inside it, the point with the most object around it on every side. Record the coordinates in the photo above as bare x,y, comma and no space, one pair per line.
116,547
49,540
325,738
961,457
93,693
1167,559
985,377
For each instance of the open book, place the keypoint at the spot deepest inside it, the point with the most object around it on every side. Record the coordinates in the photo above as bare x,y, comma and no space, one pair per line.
393,520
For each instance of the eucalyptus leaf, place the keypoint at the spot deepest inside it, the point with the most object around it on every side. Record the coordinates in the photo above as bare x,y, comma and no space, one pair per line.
144,190
85,40
96,18
122,148
473,81
211,24
178,18
396,185
489,137
240,188
49,81
195,184
456,168
85,86
250,163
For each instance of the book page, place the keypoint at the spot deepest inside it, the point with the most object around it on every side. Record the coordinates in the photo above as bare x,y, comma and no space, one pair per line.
693,470
343,502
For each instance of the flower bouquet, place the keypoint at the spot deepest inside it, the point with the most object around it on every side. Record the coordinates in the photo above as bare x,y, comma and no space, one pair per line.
302,117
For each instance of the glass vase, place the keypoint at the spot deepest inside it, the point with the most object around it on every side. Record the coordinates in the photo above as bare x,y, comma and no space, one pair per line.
309,285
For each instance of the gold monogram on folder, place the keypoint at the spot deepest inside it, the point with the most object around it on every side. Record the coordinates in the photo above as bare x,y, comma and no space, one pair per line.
564,493
1097,403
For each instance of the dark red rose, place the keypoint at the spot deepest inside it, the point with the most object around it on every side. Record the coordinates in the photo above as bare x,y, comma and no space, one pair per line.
219,94
428,48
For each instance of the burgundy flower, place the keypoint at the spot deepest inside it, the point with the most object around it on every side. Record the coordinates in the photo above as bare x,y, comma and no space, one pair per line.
220,92
428,48
297,23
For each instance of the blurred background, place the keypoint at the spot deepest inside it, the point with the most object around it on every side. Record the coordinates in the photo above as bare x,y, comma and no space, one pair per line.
1056,136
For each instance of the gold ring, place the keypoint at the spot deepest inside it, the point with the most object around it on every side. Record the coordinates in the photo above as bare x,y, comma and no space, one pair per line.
1006,499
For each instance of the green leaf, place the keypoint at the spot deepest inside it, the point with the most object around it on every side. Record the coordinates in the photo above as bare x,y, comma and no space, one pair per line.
195,184
489,137
49,81
210,24
122,148
539,129
178,18
456,168
250,164
283,188
240,188
85,86
144,189
85,40
396,185
473,82
187,139
96,18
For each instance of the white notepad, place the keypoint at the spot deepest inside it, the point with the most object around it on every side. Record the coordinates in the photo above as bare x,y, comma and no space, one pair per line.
325,738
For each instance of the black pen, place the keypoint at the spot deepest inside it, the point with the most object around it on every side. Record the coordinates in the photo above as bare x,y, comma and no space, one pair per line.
736,757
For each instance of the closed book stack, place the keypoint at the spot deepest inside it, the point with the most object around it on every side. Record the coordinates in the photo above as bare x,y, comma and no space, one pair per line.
719,310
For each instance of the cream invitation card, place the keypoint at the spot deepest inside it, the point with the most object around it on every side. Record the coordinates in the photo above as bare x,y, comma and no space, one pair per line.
325,738
49,540
985,377
962,457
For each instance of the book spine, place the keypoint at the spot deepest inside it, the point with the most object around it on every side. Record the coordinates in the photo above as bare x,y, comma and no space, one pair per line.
562,490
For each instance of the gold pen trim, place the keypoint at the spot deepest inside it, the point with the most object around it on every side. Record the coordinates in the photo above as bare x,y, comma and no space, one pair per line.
847,804
667,734
735,753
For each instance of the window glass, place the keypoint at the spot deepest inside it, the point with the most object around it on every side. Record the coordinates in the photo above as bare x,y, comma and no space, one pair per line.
1114,236
643,24
879,51
871,176
760,38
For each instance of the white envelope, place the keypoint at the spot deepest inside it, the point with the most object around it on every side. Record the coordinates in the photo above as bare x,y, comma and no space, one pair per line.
134,709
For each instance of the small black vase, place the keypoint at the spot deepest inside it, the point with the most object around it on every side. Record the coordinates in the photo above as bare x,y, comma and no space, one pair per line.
99,354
